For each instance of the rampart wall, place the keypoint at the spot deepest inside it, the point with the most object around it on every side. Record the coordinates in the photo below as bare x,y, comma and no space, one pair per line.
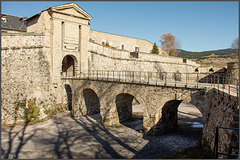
128,43
106,58
224,111
25,75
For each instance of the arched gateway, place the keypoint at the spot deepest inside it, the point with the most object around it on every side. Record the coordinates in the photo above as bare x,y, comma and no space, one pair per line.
68,66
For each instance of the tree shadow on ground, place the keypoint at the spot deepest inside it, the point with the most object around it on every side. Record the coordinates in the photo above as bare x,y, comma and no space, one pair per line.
98,132
16,140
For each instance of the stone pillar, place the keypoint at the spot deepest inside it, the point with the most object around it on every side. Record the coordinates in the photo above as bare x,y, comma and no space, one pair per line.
233,72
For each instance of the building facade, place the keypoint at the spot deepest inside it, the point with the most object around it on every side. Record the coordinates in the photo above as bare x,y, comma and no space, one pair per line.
59,43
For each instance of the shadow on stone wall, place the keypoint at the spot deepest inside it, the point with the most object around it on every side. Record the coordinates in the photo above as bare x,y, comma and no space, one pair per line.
210,78
91,101
169,120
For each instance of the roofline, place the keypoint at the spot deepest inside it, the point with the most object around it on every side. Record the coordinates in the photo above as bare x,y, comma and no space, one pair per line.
13,29
124,36
34,16
78,6
38,14
11,15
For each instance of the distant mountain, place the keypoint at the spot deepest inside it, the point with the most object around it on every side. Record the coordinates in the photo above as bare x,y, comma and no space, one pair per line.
222,53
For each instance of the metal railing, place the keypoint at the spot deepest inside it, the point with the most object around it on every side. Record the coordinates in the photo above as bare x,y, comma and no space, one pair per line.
188,80
216,152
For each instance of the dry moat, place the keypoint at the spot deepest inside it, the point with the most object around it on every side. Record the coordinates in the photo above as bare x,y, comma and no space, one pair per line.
66,137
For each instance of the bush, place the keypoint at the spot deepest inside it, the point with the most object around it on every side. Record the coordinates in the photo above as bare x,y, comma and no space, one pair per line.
107,44
31,111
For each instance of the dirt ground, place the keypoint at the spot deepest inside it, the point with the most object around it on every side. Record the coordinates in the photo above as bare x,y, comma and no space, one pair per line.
66,137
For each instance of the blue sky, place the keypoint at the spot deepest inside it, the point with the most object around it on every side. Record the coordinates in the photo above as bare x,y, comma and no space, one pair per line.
200,26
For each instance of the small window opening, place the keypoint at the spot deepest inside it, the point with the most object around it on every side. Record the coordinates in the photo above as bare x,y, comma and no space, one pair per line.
4,18
211,70
136,49
122,47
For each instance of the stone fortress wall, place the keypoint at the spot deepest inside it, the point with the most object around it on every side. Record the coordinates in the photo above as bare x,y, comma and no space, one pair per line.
25,74
123,42
106,58
32,63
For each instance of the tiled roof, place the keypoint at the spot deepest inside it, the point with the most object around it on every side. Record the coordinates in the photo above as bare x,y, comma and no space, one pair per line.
14,23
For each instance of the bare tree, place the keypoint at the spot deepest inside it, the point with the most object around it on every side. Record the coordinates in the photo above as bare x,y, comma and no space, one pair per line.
170,44
235,43
235,46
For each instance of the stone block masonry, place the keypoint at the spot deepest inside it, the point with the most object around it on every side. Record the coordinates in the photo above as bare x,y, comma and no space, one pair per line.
123,42
106,58
25,74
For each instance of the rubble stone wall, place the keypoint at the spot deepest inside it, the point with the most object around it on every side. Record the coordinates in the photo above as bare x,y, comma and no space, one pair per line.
106,58
25,74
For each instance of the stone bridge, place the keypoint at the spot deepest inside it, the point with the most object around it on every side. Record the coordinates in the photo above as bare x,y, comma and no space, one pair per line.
113,97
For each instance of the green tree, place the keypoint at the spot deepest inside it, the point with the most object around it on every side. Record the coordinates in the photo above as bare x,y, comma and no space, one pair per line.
155,49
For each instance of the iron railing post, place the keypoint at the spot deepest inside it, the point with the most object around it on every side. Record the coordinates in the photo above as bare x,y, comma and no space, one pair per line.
107,75
113,75
102,75
186,80
165,78
211,80
214,81
140,77
197,79
223,85
216,143
148,78
125,75
133,77
119,75
237,93
156,78
229,86
175,76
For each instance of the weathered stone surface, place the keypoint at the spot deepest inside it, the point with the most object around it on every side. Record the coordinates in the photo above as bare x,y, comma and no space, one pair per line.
33,64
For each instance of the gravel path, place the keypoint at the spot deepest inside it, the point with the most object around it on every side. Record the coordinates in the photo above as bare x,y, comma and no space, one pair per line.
65,137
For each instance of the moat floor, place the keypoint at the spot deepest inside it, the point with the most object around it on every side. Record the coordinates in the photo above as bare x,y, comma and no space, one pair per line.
65,137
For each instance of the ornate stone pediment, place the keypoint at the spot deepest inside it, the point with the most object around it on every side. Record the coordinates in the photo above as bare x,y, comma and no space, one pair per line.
72,9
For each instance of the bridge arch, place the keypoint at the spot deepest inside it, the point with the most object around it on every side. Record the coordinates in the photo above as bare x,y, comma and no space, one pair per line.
91,101
84,98
69,64
69,96
130,108
124,106
168,117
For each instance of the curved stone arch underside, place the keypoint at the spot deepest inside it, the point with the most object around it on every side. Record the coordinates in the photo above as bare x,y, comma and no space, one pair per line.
68,90
87,100
124,104
137,96
167,121
69,65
